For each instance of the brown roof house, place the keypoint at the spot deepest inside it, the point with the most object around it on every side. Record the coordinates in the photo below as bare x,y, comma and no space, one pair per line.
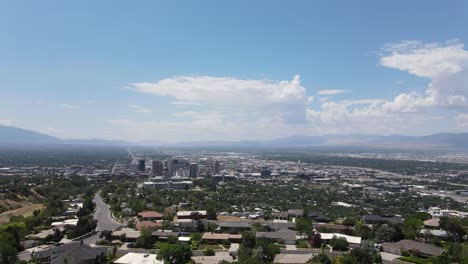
150,216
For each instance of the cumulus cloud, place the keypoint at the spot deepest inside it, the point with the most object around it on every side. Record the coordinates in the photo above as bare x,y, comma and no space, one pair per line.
237,108
445,64
446,67
332,92
185,103
226,95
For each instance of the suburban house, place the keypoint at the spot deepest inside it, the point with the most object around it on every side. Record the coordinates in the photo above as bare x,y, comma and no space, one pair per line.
217,237
75,252
442,234
292,213
282,216
233,226
191,215
411,246
285,236
279,225
431,223
164,234
150,216
331,228
147,224
131,235
318,216
186,224
377,219
295,213
353,241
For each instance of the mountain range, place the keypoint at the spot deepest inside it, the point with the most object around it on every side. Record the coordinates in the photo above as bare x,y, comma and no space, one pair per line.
17,136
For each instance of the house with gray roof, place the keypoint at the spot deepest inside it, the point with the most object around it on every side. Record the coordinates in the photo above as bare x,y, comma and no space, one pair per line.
75,252
411,246
285,236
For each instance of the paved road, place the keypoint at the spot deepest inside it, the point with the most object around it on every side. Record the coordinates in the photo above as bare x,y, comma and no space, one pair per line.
104,218
103,215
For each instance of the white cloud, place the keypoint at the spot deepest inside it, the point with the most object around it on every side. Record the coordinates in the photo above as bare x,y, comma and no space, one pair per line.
241,97
445,64
139,108
185,114
69,106
236,108
185,103
332,92
361,102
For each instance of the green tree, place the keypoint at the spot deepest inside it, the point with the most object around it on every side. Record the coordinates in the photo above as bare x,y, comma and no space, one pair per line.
339,244
145,240
7,253
362,256
350,221
385,233
248,240
345,259
411,227
322,258
304,226
454,227
18,230
175,253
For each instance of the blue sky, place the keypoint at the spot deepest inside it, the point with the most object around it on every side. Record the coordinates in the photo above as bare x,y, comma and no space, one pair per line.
210,70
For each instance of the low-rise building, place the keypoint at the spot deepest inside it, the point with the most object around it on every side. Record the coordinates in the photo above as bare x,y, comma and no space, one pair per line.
285,236
353,241
411,246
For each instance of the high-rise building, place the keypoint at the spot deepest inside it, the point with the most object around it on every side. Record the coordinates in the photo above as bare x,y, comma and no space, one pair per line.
169,167
157,167
193,170
216,167
142,166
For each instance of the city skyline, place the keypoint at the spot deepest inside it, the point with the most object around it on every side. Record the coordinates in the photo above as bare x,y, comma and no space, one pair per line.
233,71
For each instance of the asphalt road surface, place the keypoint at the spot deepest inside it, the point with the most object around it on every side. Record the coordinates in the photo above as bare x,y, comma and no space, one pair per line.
104,218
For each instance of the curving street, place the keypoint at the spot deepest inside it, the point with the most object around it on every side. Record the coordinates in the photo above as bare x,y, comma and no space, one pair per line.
105,221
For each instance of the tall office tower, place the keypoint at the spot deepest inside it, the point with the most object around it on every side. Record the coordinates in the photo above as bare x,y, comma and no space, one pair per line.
216,167
170,167
157,167
142,166
193,170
